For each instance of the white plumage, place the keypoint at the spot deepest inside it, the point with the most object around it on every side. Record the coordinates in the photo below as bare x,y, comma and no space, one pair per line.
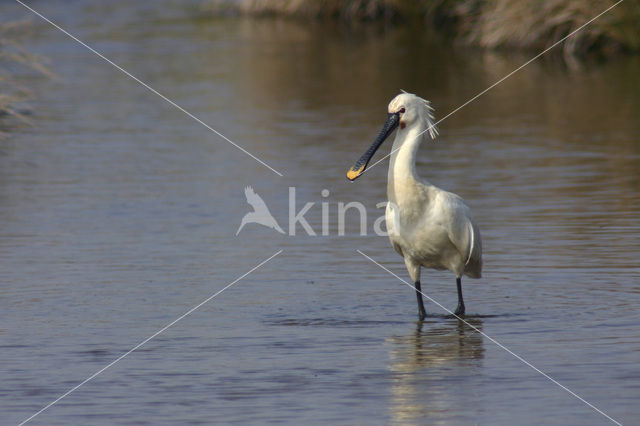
427,226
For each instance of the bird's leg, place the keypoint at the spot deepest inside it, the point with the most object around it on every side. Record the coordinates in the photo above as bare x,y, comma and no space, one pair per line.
460,309
421,312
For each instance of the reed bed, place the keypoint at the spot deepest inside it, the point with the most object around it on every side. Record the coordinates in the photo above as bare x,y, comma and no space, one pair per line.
13,60
523,24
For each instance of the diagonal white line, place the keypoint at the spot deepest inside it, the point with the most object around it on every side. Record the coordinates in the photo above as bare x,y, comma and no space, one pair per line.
496,342
502,79
151,89
149,338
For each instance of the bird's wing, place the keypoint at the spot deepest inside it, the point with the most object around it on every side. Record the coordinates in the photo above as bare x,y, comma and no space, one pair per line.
249,192
463,231
254,200
475,243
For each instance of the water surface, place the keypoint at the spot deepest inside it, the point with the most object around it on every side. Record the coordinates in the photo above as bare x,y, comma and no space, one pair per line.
118,214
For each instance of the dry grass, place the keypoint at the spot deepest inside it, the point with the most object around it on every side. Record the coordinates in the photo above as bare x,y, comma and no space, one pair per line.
529,24
351,10
14,58
538,24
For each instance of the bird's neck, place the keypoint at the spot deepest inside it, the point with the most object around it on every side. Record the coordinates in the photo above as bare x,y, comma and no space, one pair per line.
402,166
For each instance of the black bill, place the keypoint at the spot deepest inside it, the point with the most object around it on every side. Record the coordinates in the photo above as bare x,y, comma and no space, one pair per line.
390,125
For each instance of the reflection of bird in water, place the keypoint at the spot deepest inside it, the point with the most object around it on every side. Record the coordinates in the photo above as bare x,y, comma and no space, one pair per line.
260,214
430,368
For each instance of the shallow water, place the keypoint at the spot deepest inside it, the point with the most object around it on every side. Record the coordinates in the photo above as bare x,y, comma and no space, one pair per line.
119,214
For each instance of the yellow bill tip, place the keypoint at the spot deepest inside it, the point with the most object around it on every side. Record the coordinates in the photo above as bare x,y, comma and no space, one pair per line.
352,174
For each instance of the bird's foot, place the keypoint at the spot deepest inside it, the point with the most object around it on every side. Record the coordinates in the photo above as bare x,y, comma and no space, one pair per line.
459,310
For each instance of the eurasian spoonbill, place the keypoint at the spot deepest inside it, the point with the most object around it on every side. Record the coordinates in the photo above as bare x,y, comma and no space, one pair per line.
428,226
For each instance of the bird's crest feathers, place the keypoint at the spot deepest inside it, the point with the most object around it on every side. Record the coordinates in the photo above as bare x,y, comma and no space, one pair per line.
410,98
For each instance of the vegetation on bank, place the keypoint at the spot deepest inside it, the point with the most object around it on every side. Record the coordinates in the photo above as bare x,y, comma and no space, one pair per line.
12,59
528,24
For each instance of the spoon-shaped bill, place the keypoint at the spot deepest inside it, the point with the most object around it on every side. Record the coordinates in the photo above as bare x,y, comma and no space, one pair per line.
359,167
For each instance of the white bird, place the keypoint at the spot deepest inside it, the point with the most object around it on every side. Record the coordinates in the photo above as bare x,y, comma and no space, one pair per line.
428,226
260,214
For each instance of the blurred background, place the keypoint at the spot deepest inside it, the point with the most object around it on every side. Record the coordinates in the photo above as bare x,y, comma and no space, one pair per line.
118,212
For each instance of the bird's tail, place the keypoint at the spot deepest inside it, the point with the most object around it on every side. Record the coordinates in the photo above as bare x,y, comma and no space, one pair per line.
277,227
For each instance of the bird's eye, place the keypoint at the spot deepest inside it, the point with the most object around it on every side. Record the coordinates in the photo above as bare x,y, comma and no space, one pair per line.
401,111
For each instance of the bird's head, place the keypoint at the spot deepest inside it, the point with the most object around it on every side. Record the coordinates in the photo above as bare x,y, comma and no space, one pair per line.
412,110
405,110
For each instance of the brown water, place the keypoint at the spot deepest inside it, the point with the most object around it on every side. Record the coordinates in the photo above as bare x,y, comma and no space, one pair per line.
118,214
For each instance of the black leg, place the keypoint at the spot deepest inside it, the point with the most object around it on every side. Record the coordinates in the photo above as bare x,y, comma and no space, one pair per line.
421,312
460,309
